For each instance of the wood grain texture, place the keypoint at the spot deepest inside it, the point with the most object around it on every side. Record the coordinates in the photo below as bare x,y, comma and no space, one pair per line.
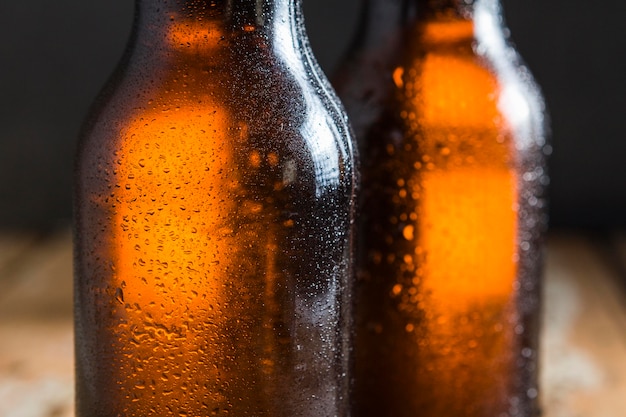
36,340
584,335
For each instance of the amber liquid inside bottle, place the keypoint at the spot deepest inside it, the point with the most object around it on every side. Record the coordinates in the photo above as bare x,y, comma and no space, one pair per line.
448,265
214,201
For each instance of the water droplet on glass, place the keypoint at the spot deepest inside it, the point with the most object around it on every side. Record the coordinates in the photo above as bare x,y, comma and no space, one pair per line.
119,295
396,290
409,232
398,75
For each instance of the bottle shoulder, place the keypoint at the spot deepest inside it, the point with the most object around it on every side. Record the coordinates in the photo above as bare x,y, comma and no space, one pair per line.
441,77
264,86
230,117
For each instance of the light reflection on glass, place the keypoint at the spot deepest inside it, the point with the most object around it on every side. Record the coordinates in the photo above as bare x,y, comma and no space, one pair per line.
317,129
517,101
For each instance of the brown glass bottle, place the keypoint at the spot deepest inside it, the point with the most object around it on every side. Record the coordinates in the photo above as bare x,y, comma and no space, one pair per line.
451,132
214,195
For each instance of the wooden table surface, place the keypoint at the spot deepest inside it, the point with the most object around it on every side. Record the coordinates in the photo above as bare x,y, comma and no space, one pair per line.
583,351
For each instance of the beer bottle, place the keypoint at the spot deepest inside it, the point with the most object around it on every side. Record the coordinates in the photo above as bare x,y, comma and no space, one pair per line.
450,127
213,201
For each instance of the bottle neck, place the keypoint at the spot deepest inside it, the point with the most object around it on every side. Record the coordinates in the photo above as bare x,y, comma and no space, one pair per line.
175,23
381,13
385,22
444,9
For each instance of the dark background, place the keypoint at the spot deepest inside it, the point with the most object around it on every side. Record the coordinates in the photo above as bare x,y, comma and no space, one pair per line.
55,56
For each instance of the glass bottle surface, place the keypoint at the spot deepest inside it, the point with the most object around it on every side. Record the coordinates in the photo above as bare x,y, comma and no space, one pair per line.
214,191
452,140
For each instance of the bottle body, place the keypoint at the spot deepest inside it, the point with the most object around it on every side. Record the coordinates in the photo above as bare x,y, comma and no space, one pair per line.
451,135
213,205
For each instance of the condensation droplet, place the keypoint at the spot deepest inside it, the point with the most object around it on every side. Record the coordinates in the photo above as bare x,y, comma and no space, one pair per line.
272,159
255,159
398,75
119,295
396,290
409,232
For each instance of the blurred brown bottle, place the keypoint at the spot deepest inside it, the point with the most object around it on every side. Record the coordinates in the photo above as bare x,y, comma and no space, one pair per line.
451,133
214,201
